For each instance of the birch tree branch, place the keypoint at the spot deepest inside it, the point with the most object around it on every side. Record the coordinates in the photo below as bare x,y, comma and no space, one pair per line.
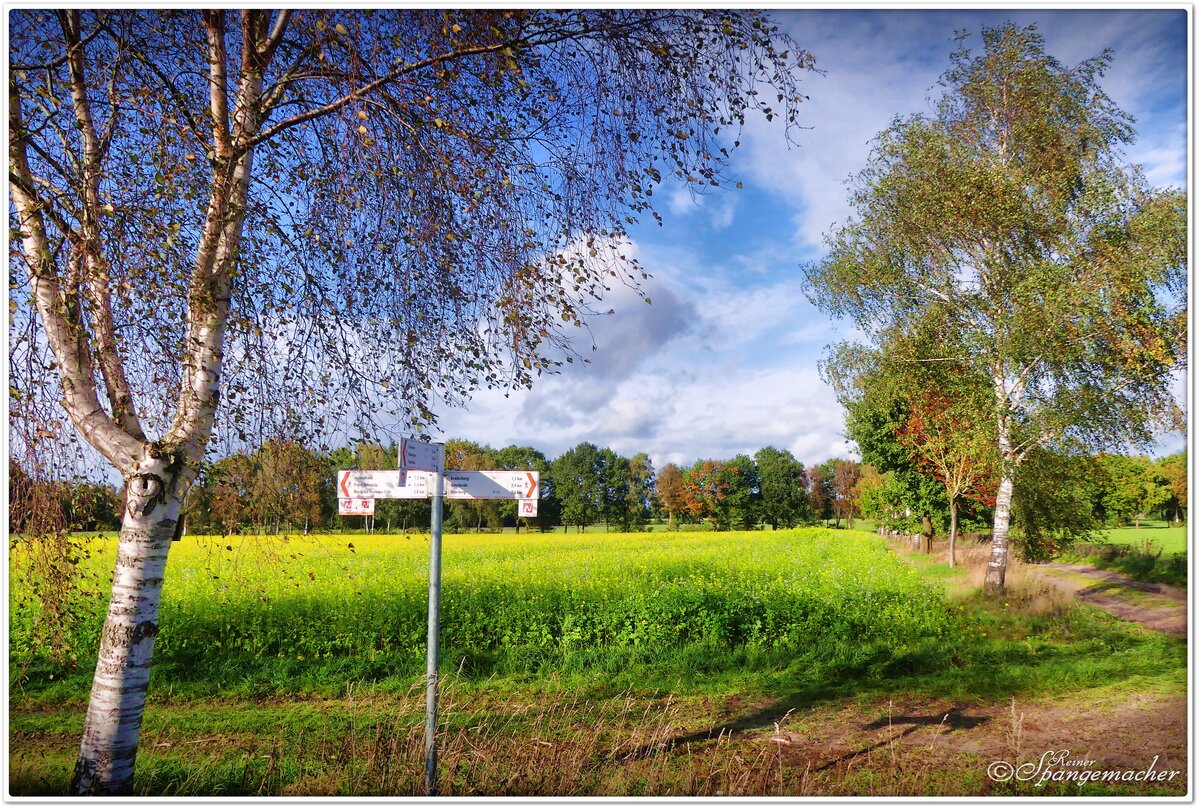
94,265
66,338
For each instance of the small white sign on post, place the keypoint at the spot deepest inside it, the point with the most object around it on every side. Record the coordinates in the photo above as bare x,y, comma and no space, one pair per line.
492,485
527,508
384,484
356,506
420,455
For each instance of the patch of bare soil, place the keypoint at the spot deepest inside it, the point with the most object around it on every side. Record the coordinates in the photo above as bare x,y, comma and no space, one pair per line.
1125,733
1156,606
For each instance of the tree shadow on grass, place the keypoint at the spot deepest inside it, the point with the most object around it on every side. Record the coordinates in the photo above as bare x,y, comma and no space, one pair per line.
991,670
951,720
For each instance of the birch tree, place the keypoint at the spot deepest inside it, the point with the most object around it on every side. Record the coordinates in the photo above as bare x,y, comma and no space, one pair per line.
316,217
1009,219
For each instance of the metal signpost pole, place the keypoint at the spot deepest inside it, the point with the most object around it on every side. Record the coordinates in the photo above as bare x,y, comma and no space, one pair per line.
360,488
431,663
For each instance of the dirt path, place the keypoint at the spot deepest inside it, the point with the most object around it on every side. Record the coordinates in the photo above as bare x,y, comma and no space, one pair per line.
1110,732
1160,607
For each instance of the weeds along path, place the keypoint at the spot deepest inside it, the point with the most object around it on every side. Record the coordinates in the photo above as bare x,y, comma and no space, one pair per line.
1156,606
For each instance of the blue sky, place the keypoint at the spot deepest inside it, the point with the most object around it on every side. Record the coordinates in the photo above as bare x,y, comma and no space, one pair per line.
725,359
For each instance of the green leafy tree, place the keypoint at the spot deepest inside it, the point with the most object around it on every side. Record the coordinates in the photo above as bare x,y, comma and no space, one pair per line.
1009,221
783,484
639,497
528,458
1053,501
744,497
1131,490
579,479
1173,471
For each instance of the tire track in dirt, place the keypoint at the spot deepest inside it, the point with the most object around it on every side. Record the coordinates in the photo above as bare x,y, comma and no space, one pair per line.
1156,606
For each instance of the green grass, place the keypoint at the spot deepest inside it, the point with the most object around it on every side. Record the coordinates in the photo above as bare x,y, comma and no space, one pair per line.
1164,536
1155,552
276,648
285,614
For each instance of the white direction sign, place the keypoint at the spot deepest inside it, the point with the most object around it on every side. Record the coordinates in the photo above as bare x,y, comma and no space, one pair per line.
356,506
485,485
384,484
491,485
416,454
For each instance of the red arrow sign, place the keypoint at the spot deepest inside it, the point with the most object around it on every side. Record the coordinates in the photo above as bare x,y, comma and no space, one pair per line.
532,485
345,491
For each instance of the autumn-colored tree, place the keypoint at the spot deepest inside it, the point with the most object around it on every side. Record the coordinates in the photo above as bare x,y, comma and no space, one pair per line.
821,491
230,482
671,492
845,483
287,488
949,436
1008,223
468,456
715,492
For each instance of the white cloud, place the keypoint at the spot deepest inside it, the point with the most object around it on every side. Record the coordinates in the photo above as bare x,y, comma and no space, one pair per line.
720,208
710,370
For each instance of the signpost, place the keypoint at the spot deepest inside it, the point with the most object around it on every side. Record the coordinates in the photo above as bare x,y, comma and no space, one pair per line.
416,454
421,475
435,614
492,485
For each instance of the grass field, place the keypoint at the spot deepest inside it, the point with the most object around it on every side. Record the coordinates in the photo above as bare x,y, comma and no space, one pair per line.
1164,536
1154,552
573,664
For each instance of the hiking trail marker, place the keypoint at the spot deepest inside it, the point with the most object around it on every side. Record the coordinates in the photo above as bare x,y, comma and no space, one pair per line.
356,506
421,474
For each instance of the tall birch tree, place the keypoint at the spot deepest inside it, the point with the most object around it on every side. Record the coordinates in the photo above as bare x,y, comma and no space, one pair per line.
1009,219
317,216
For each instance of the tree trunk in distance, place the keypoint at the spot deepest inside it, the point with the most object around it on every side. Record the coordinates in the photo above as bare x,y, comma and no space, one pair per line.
993,582
953,527
118,698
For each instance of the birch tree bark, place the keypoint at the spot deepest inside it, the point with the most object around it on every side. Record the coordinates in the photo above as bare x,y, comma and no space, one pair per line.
114,715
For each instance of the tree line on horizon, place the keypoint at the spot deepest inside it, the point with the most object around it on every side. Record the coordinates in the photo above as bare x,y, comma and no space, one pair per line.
284,487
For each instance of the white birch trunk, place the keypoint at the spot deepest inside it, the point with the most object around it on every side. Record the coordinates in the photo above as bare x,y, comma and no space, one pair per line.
993,582
118,699
953,528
